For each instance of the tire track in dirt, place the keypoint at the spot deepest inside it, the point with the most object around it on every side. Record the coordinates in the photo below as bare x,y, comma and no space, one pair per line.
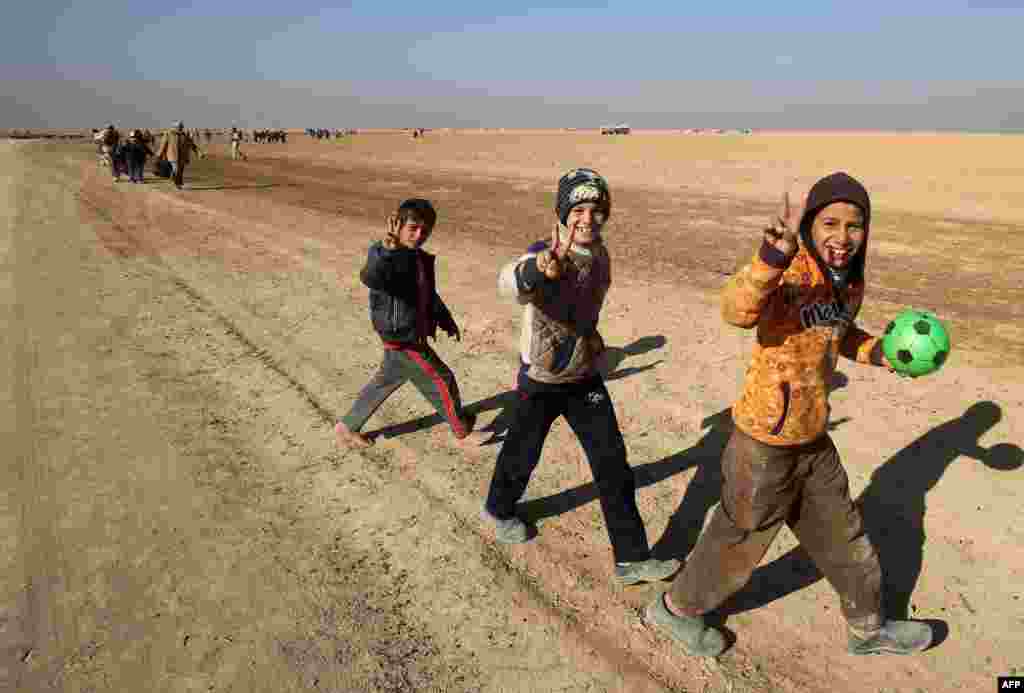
57,624
109,623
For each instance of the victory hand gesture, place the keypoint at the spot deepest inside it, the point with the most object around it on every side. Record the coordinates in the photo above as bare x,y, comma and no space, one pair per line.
391,227
550,261
782,231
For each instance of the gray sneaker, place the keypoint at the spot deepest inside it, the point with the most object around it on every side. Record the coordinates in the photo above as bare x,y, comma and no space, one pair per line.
510,531
894,637
651,570
696,637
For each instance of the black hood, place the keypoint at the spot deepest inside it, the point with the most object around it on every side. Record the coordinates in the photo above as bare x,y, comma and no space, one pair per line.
837,187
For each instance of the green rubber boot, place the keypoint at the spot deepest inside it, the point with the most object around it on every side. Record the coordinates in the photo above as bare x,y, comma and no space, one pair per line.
894,637
696,637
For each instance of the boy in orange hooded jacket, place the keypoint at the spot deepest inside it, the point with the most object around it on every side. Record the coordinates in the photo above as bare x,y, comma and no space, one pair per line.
780,465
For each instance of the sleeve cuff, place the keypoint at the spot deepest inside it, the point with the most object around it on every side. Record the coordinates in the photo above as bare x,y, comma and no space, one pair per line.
773,257
529,276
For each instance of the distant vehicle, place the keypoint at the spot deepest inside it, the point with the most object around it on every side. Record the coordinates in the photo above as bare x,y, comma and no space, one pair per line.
622,129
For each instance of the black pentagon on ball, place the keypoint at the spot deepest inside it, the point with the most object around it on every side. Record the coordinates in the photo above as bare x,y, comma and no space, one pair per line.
922,327
890,327
904,356
940,358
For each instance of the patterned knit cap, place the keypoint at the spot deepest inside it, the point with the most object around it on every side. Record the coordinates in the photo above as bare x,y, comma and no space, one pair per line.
581,185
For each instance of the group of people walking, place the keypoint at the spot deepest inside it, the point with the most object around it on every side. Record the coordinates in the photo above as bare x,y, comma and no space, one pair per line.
129,156
123,156
327,133
271,136
801,291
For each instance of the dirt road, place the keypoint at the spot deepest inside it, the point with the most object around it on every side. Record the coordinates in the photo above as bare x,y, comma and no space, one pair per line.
177,517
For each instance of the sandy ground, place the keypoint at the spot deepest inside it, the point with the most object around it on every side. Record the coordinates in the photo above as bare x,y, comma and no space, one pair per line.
177,518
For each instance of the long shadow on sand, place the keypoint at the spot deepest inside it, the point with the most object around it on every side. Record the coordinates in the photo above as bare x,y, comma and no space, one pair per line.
894,509
259,186
702,493
507,401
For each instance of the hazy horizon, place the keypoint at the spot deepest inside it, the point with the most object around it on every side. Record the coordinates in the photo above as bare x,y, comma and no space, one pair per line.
917,65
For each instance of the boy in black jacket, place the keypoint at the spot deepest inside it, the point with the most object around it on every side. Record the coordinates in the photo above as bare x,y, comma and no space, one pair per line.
135,152
405,309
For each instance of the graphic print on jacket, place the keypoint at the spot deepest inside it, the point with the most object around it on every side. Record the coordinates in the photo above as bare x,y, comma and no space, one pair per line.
833,314
559,342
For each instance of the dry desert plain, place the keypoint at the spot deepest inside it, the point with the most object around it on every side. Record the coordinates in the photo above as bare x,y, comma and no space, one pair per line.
176,515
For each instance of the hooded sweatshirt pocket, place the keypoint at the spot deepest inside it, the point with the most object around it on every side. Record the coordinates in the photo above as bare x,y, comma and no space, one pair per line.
785,392
562,354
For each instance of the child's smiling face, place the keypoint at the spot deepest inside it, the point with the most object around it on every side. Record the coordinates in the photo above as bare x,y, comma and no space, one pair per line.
838,233
585,221
413,233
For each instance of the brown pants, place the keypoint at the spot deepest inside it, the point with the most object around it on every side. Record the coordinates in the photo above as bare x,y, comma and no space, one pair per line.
804,486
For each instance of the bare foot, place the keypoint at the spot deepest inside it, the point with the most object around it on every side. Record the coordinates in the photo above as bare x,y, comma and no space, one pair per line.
473,439
351,439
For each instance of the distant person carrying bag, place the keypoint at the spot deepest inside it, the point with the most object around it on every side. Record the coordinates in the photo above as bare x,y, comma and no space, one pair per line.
176,148
162,168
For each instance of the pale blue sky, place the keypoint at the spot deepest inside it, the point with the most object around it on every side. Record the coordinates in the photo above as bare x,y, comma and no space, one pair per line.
939,64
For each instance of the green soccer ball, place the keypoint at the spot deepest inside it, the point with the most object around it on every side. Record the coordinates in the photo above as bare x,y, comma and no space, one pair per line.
916,343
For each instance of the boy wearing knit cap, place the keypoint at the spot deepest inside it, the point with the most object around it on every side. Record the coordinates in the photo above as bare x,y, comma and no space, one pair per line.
135,152
802,294
562,286
405,310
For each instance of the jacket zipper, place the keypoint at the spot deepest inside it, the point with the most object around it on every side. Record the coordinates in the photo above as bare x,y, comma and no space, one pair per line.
785,408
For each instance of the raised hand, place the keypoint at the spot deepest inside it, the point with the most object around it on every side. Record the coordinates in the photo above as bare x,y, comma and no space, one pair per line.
550,261
391,226
782,231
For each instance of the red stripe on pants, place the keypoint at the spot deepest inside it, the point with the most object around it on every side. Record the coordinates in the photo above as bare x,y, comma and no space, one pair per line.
446,396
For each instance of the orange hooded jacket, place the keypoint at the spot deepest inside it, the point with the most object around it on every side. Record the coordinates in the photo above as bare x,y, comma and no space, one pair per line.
803,324
801,330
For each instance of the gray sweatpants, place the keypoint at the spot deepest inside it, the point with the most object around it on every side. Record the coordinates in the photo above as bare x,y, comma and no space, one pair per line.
428,373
